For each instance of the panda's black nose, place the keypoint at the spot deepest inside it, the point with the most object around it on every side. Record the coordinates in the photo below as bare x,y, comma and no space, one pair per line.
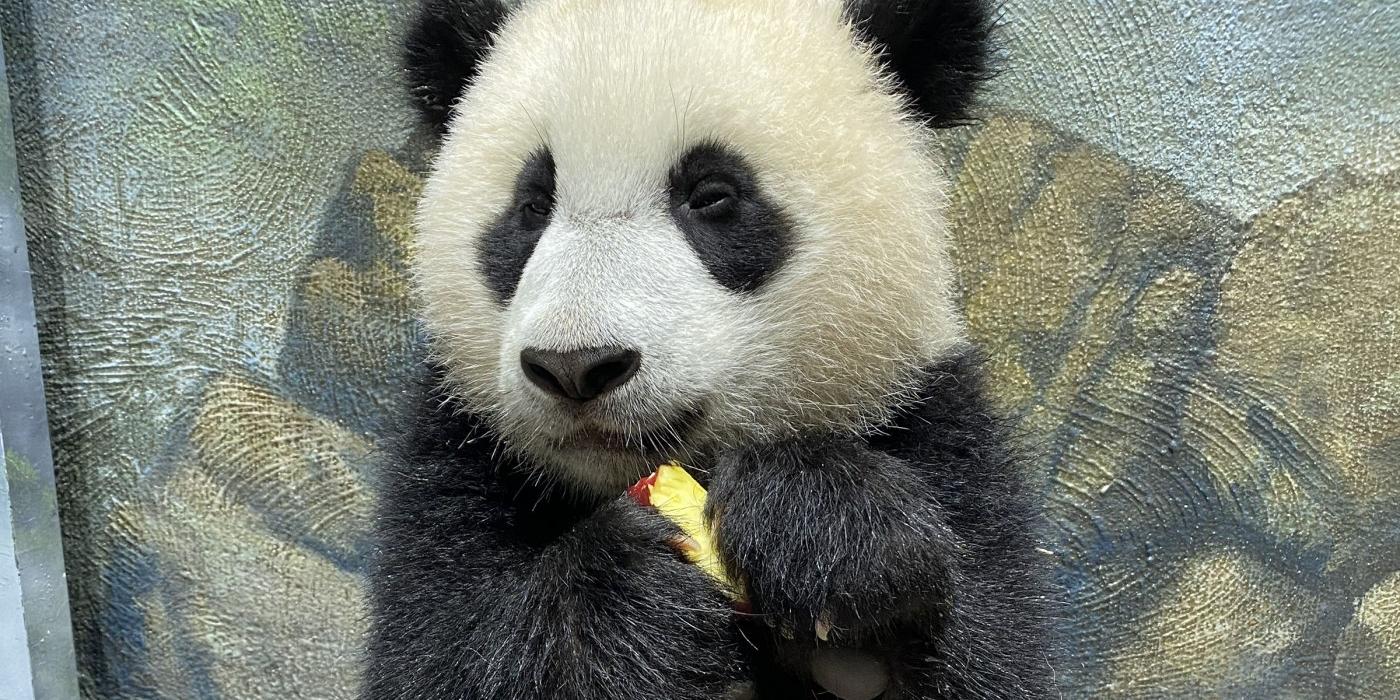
582,374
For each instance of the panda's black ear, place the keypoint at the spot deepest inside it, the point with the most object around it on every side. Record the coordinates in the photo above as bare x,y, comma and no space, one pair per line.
445,43
940,50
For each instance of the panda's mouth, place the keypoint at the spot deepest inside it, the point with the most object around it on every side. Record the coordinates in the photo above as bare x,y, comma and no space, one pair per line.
662,441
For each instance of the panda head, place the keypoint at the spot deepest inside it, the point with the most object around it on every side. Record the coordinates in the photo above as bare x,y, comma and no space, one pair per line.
659,228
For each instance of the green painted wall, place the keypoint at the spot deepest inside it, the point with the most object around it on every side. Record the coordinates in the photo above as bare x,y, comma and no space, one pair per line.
1177,238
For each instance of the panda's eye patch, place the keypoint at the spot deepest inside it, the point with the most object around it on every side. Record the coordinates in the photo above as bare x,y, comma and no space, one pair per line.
736,228
713,196
508,243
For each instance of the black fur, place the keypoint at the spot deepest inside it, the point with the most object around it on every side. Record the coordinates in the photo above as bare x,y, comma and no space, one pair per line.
915,543
508,244
741,236
486,587
445,42
939,49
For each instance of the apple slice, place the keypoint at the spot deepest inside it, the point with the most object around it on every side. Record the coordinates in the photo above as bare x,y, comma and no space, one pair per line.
673,492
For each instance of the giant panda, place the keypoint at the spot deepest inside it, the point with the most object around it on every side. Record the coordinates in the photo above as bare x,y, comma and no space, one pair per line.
709,231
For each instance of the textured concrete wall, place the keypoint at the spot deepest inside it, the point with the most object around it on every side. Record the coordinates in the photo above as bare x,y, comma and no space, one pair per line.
1176,231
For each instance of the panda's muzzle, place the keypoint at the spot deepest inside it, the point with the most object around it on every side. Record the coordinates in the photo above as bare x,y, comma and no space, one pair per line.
579,375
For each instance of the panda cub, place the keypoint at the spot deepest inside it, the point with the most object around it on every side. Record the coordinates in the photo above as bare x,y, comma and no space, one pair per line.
708,231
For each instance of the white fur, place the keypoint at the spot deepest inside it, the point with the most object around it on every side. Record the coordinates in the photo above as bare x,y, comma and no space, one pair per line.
618,90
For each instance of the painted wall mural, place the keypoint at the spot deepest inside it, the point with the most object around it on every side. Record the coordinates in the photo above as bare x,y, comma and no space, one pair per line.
1182,260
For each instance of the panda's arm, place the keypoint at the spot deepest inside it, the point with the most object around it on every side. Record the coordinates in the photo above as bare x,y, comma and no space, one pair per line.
831,531
606,611
918,541
483,589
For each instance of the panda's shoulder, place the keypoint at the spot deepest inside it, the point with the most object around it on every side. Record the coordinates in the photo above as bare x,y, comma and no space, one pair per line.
963,444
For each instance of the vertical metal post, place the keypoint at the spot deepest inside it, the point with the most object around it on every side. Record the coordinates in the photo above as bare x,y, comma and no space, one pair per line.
36,635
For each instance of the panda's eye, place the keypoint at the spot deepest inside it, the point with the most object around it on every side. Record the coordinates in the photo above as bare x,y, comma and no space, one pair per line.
713,196
535,211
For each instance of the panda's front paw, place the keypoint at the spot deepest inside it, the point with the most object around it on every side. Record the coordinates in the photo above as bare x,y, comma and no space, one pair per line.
833,540
615,598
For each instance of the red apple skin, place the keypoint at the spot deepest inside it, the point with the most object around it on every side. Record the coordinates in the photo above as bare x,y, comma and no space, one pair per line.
641,491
